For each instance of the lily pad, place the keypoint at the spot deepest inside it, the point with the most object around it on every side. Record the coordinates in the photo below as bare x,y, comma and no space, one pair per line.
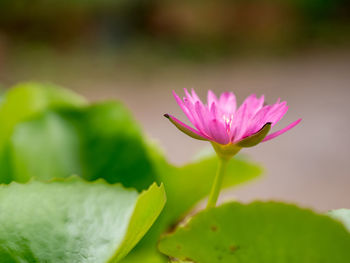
23,102
97,141
185,186
73,220
114,147
261,233
27,99
44,148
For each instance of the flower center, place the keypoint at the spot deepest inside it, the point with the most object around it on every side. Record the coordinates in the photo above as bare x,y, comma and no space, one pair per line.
228,121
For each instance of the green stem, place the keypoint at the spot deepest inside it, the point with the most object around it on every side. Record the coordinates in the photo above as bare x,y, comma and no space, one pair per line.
215,190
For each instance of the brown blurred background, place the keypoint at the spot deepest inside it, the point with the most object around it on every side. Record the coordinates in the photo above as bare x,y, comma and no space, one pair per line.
138,51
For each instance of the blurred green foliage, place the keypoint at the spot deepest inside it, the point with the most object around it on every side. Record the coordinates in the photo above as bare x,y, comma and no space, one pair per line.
53,133
86,141
22,102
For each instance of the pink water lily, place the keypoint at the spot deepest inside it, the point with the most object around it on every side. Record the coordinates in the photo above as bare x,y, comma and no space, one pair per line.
222,122
229,128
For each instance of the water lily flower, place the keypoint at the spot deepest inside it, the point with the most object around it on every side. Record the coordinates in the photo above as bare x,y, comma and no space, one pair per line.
227,127
230,128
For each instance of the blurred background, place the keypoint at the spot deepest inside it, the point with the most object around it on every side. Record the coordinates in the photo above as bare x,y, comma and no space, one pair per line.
138,51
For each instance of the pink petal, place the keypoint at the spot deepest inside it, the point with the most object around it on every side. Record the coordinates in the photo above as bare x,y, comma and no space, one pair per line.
211,99
203,116
258,121
184,108
227,102
196,120
277,112
269,113
192,98
239,123
278,133
261,101
218,132
195,96
253,105
213,111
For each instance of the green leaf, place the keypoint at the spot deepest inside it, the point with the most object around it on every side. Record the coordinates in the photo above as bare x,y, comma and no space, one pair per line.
189,184
74,220
25,101
261,233
113,147
98,141
47,147
185,186
343,215
28,99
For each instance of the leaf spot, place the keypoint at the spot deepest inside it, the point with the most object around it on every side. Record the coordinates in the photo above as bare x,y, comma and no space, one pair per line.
233,248
214,228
